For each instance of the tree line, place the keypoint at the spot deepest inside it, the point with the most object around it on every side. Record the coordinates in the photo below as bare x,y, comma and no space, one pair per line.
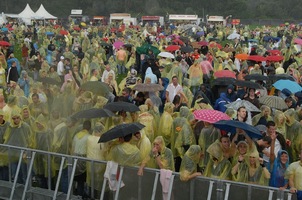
244,9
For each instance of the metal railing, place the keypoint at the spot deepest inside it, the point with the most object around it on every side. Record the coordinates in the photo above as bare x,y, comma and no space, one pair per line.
136,187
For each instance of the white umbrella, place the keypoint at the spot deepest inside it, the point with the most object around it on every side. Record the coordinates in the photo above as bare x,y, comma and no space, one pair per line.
166,55
233,36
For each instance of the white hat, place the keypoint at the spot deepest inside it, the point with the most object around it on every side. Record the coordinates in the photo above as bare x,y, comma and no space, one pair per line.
62,57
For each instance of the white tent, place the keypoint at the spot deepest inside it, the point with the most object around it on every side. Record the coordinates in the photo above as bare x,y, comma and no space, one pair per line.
43,14
27,15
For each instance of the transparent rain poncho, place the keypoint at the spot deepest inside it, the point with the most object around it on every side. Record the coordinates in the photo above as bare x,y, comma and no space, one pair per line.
189,162
221,168
165,155
43,141
183,135
126,154
208,135
166,123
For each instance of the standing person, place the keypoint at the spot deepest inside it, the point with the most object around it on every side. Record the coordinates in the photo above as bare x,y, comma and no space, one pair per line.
25,54
294,175
107,71
19,134
24,83
60,69
121,58
125,153
162,157
79,148
278,166
2,76
43,140
12,74
173,89
188,168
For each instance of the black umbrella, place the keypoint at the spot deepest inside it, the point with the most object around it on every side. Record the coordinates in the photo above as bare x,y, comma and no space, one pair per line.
256,77
121,106
27,33
93,113
96,87
121,130
248,84
48,80
223,81
232,125
186,49
277,77
104,44
128,45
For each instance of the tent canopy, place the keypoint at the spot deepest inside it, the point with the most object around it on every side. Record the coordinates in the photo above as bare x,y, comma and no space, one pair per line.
43,14
27,13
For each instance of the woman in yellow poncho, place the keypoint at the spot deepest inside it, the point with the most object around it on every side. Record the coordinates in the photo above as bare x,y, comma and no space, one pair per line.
196,76
280,120
166,124
160,157
43,141
188,168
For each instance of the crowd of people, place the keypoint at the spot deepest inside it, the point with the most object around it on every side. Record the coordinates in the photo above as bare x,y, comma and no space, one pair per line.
41,92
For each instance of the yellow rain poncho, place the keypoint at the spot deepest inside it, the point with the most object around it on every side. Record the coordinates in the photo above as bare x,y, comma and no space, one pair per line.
293,134
252,173
148,120
183,135
144,145
18,135
95,151
43,141
189,162
265,113
3,126
176,70
195,74
208,135
60,143
126,154
187,92
166,123
165,155
280,119
217,166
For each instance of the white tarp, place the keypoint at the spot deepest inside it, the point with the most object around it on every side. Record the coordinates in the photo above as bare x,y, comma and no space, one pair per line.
43,14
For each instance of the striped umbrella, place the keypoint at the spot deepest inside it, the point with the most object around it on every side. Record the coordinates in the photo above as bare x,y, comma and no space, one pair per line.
273,102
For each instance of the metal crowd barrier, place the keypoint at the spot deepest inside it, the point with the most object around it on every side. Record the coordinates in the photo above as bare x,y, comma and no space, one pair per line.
136,187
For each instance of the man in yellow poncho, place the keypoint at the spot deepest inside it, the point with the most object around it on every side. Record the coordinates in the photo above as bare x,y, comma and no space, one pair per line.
188,168
208,135
18,134
293,134
3,164
79,148
125,153
294,174
43,140
166,124
182,136
95,151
